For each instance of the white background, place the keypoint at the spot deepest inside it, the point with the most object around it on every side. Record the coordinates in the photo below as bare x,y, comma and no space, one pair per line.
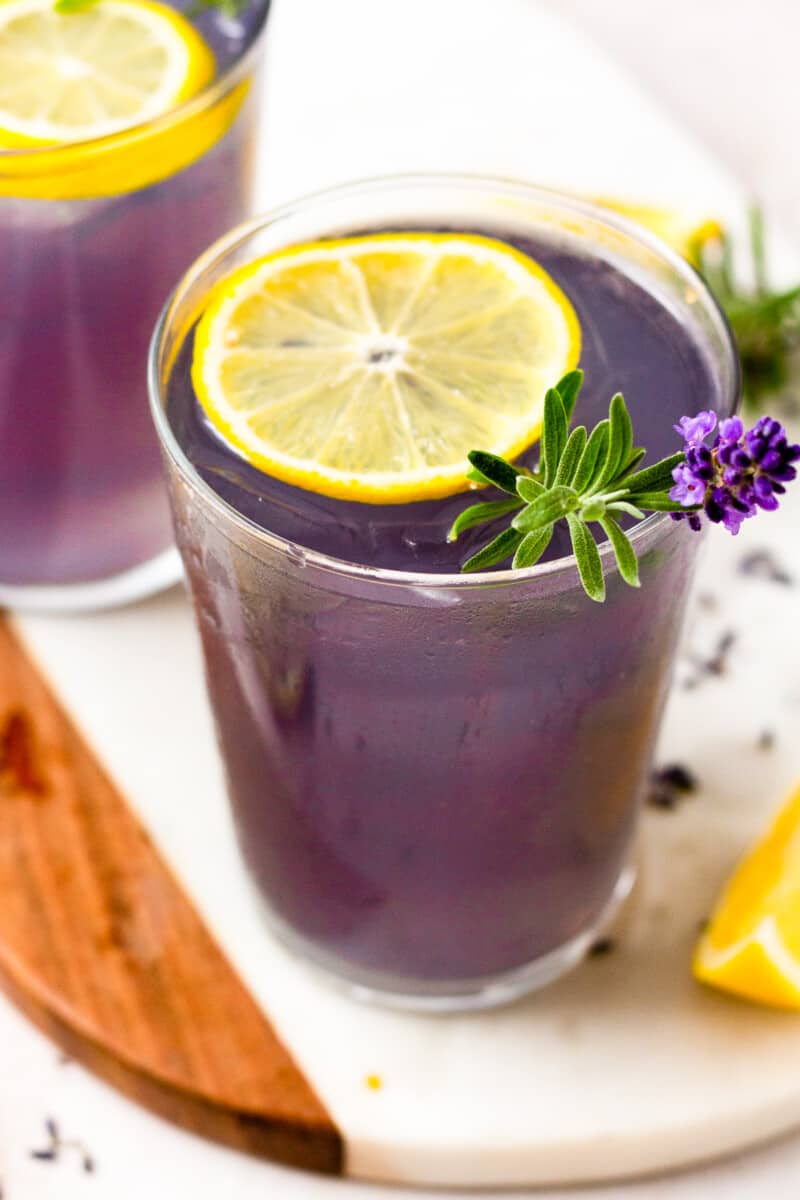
728,71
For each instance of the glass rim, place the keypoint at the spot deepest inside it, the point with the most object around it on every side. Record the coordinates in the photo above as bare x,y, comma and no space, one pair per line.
639,532
208,95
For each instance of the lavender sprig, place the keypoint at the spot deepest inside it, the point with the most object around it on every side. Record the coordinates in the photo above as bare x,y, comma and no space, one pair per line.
595,479
581,478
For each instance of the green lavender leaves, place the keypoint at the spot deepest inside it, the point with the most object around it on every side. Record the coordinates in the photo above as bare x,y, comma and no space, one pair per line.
505,544
590,567
553,504
228,8
488,468
478,514
582,478
765,322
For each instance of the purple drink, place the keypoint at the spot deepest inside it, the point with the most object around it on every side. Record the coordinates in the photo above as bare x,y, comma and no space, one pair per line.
81,493
630,343
436,778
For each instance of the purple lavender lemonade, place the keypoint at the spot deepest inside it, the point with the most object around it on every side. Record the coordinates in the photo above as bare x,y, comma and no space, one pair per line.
436,781
81,494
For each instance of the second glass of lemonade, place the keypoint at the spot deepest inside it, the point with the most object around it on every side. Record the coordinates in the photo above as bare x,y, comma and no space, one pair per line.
127,143
435,777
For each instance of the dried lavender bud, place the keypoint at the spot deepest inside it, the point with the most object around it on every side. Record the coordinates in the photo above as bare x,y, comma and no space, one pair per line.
669,784
717,664
762,564
708,601
52,1153
678,776
602,946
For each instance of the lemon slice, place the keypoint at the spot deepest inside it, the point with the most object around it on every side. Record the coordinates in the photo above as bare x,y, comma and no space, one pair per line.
367,368
752,944
685,234
74,76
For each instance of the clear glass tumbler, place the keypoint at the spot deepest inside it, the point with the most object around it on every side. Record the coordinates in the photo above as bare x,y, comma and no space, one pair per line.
436,779
93,237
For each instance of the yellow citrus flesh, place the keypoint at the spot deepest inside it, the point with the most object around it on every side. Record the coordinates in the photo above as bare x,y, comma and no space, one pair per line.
82,94
367,368
684,234
73,76
752,944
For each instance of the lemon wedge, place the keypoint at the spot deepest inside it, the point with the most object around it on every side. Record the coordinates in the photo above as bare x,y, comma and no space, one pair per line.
75,76
752,944
367,368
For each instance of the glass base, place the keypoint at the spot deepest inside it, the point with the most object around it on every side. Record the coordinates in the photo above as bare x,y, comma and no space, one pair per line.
144,580
464,995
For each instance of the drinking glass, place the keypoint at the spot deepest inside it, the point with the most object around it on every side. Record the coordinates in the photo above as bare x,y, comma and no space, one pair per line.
435,778
93,236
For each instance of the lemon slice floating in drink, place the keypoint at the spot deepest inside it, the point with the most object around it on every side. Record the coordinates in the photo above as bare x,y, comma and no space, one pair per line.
752,944
97,100
367,368
685,234
86,74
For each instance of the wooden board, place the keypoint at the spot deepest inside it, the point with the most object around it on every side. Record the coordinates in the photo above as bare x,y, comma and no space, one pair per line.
103,949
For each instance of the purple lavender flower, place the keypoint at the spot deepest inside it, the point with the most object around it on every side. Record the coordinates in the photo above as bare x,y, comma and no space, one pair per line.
740,473
695,430
731,429
689,489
